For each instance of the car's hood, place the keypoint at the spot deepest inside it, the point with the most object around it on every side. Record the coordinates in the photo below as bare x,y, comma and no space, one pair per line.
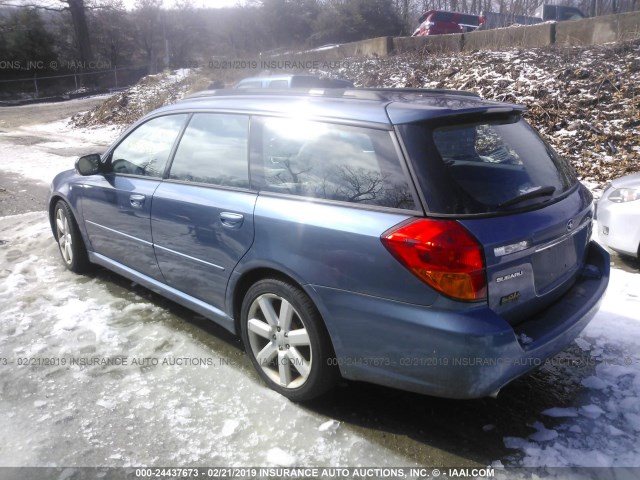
628,181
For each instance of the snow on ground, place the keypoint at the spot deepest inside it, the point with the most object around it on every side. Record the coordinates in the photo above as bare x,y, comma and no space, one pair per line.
127,414
52,147
603,430
64,133
146,414
135,414
149,93
81,414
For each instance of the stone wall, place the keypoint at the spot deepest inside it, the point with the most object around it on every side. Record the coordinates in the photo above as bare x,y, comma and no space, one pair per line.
590,31
599,30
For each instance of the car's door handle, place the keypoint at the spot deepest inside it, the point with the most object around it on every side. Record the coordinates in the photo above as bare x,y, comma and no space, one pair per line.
231,220
137,201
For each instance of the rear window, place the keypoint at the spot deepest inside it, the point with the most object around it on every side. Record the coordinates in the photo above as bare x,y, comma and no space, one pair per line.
472,20
455,17
213,150
442,17
304,82
332,162
485,167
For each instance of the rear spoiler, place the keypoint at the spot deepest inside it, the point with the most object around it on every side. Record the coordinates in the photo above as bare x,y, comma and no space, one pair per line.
400,115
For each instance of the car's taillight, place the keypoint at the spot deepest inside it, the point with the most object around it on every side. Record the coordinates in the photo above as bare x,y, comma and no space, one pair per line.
441,253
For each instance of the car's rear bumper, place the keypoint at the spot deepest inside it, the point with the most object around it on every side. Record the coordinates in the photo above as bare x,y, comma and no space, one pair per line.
466,354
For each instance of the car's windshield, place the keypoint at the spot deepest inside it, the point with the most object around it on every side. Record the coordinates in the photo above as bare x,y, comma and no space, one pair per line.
485,166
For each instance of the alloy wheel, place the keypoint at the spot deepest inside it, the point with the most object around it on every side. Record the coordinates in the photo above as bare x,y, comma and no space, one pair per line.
65,241
279,341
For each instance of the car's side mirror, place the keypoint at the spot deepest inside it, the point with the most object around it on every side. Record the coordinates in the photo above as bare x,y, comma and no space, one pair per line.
88,164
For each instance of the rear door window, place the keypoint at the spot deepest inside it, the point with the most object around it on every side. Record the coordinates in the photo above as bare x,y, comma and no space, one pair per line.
485,167
214,150
331,162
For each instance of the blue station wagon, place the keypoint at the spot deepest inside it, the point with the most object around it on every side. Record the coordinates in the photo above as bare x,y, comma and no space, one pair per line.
426,240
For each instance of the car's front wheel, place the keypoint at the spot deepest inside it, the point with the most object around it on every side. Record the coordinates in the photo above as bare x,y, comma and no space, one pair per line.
286,340
70,244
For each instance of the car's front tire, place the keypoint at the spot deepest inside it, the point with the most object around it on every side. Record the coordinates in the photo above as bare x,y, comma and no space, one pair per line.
286,340
70,243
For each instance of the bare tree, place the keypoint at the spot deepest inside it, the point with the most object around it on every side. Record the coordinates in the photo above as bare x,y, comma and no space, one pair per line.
77,9
183,29
113,33
358,184
148,20
81,29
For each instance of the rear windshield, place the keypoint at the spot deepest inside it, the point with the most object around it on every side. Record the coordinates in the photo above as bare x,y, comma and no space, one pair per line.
454,17
485,167
305,82
472,20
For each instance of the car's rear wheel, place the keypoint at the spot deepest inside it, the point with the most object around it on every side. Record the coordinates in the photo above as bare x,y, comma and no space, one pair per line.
70,244
286,340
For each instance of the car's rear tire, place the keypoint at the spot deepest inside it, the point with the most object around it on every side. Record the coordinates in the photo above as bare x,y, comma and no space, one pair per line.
286,340
70,243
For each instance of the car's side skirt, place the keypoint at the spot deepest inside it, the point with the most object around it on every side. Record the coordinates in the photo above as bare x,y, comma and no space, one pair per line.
204,309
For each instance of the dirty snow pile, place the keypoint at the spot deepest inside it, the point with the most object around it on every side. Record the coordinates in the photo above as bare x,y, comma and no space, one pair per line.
151,92
585,101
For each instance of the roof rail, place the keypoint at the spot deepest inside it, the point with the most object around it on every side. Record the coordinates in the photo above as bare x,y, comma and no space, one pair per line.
416,91
379,94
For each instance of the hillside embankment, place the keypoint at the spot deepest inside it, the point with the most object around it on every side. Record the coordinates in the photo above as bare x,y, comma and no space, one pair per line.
584,100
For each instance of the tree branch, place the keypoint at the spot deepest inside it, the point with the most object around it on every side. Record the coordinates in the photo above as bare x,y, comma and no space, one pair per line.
54,9
32,5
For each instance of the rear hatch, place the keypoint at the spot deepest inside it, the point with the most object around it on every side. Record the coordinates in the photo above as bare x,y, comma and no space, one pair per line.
533,258
523,203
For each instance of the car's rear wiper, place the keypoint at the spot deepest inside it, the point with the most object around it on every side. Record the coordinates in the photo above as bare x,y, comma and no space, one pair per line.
538,192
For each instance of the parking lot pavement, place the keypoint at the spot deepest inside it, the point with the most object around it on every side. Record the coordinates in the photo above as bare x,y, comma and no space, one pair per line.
96,371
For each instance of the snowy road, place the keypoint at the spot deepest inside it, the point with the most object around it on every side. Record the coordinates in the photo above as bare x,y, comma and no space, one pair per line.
199,404
180,391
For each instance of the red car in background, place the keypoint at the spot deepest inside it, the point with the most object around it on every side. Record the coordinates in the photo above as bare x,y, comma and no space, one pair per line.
439,22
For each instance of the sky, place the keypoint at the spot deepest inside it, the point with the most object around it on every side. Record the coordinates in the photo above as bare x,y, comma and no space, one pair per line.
129,4
201,3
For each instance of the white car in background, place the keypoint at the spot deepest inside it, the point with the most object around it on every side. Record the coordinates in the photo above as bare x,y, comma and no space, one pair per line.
618,215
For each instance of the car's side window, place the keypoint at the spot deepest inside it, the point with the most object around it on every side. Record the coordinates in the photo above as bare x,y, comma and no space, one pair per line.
145,151
255,84
278,84
333,162
214,150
